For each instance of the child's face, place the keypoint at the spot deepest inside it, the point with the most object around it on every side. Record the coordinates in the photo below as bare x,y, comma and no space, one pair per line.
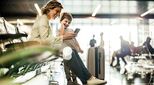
65,22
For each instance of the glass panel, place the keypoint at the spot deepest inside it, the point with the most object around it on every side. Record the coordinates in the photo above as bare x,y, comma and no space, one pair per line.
106,21
87,6
68,9
76,9
123,3
115,9
150,4
87,9
67,2
114,21
105,3
124,10
96,21
132,3
124,21
151,22
77,2
132,21
105,9
96,2
77,21
132,10
115,3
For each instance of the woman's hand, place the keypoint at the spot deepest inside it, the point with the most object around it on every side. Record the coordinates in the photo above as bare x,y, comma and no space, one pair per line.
62,30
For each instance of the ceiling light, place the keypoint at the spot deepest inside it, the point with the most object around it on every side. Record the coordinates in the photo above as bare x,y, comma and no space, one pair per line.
38,9
96,10
147,12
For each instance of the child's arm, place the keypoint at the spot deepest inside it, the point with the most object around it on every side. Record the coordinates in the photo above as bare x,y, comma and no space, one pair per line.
66,35
77,44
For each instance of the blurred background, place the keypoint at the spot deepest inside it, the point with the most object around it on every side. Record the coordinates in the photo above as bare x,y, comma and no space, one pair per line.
132,19
113,17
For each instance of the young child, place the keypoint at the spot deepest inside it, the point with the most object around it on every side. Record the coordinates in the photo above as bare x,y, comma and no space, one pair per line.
65,21
74,67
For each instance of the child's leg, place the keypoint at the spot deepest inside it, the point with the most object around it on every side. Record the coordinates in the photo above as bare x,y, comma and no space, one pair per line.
74,78
67,72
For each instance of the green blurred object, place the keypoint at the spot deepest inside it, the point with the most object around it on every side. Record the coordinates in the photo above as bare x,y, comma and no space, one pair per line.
7,81
3,71
24,57
28,58
25,53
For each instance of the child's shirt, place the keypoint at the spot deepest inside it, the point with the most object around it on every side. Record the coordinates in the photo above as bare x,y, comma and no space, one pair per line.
71,42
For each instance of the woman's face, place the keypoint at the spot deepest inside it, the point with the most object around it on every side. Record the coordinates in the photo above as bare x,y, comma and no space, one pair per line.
65,22
54,13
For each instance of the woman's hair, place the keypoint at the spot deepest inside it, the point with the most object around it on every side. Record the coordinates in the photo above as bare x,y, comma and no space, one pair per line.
51,5
66,15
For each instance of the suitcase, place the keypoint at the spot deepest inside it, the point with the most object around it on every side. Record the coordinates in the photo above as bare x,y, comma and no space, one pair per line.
96,62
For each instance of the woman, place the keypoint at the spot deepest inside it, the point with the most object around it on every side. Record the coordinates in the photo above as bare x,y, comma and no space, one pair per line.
42,30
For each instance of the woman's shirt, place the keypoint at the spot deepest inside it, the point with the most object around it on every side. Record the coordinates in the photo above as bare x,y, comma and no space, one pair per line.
42,32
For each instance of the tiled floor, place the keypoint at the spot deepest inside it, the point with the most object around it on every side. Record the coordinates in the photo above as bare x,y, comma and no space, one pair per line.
112,76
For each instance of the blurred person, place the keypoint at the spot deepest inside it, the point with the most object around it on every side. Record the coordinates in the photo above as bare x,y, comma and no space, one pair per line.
101,54
92,42
137,50
132,48
148,45
124,51
75,64
113,57
102,40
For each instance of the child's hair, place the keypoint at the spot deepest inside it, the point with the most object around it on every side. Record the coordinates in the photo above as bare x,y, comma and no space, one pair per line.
66,15
51,5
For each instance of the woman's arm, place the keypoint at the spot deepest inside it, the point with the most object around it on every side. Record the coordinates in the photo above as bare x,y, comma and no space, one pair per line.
61,31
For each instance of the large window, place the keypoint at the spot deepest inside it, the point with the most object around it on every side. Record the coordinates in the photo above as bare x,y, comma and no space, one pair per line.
87,6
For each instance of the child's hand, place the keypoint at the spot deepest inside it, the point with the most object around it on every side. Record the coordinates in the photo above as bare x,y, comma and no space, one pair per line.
81,51
70,35
62,26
